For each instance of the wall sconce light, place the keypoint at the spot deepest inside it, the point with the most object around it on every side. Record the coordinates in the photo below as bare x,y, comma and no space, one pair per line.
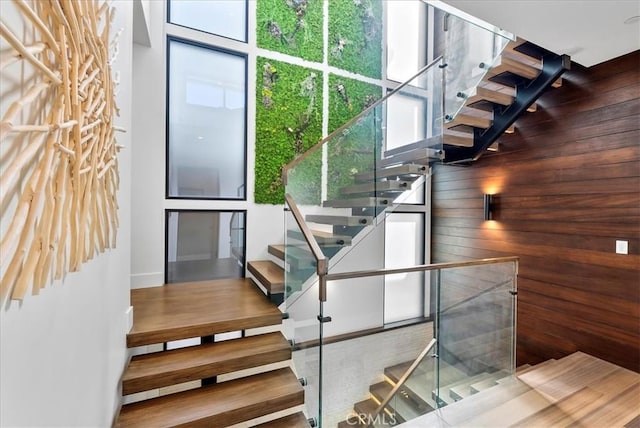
488,207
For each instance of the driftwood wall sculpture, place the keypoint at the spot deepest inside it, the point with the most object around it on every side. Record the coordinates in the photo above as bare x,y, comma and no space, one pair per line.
59,170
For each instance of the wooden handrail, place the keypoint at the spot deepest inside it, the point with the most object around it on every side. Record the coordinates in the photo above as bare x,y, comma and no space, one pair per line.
318,145
420,268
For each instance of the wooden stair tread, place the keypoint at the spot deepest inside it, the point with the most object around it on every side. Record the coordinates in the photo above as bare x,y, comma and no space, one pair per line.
377,186
512,410
491,381
529,368
511,52
166,368
357,202
399,406
395,372
340,220
468,120
296,420
568,375
486,94
588,401
380,390
221,404
578,361
198,309
408,169
277,250
462,389
434,143
459,139
327,238
465,410
506,64
270,275
351,423
415,156
618,410
323,238
297,257
366,407
554,414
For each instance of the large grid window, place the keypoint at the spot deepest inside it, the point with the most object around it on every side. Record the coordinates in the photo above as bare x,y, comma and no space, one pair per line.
226,18
406,38
404,293
206,156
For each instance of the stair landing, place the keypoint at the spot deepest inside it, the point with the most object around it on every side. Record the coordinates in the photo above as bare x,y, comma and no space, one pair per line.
194,309
577,390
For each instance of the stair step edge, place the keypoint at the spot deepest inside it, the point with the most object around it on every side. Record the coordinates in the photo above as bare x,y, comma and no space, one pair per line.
277,250
295,420
270,275
222,404
165,368
340,220
205,329
407,169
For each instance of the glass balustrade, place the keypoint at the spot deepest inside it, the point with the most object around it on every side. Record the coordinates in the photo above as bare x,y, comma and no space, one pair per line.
390,374
471,48
358,369
345,186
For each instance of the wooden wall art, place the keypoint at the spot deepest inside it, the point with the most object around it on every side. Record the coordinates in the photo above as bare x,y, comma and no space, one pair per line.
59,169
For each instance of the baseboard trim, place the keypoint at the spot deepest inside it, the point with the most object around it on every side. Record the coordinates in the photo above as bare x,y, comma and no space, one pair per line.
146,280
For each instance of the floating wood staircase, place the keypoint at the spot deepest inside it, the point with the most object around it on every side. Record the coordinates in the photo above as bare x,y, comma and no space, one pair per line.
509,88
260,384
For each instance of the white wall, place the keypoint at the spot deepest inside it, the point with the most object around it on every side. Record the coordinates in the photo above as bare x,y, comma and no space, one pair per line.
63,352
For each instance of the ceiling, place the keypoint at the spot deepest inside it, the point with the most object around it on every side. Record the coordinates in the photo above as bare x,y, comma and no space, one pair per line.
590,31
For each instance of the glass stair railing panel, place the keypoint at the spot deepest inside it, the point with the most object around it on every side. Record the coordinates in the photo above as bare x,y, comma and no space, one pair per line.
471,48
345,185
357,351
300,261
413,115
380,374
475,328
300,324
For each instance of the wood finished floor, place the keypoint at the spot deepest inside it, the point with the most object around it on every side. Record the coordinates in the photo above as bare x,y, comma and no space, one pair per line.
179,311
576,391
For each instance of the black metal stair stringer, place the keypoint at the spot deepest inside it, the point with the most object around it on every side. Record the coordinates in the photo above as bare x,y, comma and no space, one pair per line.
503,117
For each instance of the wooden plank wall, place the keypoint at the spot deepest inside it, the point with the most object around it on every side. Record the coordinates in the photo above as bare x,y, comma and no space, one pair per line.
567,185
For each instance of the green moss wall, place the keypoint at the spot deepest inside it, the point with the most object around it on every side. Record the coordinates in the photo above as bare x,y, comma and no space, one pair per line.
288,122
289,97
351,151
293,27
355,36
